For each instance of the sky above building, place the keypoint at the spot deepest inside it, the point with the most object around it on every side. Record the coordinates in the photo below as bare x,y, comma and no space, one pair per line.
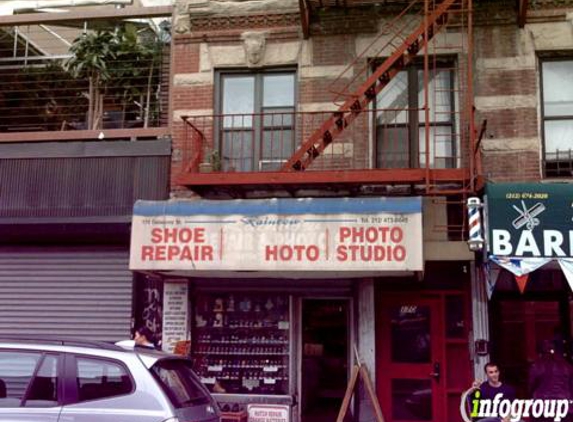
23,6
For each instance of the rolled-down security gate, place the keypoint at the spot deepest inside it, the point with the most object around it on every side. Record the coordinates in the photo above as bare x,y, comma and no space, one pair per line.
75,291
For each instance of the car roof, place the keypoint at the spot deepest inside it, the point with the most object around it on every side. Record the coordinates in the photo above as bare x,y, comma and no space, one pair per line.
58,341
77,345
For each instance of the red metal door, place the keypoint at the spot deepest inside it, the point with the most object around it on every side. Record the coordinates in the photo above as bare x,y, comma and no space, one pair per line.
410,353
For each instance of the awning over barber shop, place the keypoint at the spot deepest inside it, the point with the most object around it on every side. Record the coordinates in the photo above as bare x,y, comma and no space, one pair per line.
530,225
327,234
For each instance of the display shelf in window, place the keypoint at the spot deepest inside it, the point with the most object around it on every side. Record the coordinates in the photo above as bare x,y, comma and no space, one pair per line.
241,343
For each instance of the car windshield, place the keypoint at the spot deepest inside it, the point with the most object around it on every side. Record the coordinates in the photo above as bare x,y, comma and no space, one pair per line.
179,383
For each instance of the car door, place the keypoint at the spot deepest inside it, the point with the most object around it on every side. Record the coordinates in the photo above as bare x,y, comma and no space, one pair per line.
100,389
30,388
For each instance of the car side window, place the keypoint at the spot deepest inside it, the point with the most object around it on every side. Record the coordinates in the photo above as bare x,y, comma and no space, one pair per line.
43,391
99,379
16,372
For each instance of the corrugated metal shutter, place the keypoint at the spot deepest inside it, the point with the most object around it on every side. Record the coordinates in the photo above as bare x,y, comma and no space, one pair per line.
75,291
80,187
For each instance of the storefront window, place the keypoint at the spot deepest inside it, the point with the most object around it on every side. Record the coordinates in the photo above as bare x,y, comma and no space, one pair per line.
241,343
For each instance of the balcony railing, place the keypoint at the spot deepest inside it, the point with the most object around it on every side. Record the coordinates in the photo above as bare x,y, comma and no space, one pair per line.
377,139
81,75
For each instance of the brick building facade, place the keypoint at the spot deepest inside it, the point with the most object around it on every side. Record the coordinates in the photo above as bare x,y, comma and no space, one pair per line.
467,112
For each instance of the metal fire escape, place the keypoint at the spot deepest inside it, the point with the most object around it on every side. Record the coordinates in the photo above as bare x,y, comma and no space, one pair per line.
337,148
358,101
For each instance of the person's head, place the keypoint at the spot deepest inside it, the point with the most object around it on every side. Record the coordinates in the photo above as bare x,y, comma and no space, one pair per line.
143,336
547,347
492,372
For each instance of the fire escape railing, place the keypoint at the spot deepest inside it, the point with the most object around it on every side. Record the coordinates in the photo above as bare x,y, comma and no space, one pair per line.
367,132
363,96
263,142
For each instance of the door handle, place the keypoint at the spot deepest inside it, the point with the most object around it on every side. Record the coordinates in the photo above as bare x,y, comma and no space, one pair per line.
436,374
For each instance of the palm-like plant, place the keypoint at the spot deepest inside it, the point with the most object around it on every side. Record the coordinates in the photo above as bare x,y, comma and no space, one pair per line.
139,59
115,62
92,54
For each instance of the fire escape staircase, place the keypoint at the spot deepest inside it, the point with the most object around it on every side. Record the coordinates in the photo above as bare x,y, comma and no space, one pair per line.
357,102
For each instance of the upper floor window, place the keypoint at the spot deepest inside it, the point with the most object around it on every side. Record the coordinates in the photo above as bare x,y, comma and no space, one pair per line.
557,111
256,129
401,119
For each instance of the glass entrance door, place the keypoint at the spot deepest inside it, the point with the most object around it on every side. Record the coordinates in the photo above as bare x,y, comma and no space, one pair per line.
410,344
325,355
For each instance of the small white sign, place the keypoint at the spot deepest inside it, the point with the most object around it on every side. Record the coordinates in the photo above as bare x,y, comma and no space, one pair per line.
175,314
268,413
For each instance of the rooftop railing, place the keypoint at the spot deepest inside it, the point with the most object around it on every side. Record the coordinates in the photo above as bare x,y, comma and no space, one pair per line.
83,75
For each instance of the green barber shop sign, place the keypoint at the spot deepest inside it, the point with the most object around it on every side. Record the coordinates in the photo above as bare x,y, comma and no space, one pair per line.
530,220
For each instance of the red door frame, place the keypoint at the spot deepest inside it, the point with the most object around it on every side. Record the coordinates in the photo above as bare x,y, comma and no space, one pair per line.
387,370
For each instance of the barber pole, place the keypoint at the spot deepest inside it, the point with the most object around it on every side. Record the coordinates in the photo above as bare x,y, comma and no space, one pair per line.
475,241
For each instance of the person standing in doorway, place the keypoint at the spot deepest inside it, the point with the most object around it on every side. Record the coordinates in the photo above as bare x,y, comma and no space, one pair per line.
551,377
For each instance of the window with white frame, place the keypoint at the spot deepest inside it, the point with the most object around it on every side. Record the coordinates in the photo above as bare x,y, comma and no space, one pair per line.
557,111
401,119
256,127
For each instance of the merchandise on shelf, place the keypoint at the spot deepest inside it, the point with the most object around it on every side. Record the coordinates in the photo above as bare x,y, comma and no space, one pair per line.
241,343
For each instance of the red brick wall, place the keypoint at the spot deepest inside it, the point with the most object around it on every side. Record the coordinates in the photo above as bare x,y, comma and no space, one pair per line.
186,57
497,41
512,166
332,50
326,51
507,77
186,60
193,97
490,42
510,123
506,82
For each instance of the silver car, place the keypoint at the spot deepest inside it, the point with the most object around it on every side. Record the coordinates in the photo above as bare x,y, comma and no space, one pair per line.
67,380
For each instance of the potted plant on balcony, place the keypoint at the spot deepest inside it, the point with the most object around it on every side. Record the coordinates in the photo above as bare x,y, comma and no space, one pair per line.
212,162
42,92
91,55
114,63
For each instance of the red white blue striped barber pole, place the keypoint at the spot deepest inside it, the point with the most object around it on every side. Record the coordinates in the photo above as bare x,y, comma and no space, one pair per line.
475,241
